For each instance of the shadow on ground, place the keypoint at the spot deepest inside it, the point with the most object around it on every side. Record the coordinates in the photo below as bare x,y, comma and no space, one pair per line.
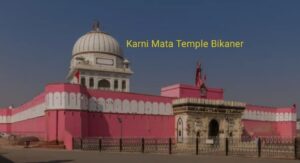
4,159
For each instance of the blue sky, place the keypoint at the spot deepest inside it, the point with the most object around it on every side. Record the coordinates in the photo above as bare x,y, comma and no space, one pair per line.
36,40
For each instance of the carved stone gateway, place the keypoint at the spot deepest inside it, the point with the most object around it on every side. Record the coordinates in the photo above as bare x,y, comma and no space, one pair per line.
207,119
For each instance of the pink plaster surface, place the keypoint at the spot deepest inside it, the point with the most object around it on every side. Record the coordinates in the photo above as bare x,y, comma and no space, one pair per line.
215,93
66,87
5,127
55,124
185,90
75,123
68,140
265,129
33,127
273,128
30,127
271,109
96,124
35,101
286,129
269,129
5,112
148,126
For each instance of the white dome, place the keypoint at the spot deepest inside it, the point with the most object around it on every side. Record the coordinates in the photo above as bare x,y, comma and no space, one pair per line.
96,42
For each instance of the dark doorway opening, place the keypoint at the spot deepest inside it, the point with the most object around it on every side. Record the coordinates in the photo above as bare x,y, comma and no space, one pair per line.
198,134
213,129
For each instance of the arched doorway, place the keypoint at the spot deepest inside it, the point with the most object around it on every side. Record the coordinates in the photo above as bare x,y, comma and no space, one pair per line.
179,130
213,130
103,84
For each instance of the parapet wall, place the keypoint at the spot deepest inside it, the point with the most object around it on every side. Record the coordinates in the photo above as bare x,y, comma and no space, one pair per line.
185,90
72,98
27,119
82,112
270,121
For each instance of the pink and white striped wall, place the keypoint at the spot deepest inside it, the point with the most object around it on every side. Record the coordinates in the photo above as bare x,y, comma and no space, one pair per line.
68,110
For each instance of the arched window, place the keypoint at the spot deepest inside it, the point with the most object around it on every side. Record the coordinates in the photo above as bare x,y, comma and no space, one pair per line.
91,82
116,84
82,81
179,130
103,84
123,84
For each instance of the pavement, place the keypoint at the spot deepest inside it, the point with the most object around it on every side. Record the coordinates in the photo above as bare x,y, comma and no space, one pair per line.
37,155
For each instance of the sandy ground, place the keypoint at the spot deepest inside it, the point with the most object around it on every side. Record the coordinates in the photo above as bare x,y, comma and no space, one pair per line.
35,155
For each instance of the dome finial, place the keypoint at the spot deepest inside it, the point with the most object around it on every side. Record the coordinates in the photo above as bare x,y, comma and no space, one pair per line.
96,26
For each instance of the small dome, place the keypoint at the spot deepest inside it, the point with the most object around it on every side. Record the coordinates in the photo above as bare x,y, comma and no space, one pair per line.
96,41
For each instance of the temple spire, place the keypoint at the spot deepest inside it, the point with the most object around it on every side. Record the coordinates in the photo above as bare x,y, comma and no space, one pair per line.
198,77
199,80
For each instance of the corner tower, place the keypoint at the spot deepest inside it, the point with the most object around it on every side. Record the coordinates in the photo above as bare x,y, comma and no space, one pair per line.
98,63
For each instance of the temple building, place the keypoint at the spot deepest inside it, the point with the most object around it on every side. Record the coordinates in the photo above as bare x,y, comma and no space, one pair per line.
98,60
97,102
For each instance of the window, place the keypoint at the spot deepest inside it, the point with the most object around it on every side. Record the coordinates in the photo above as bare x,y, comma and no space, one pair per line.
82,81
126,66
104,61
116,84
91,82
123,85
103,84
179,130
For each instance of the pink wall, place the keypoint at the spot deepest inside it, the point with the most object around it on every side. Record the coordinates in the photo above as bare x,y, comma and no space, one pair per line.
5,127
74,123
271,109
95,124
60,121
68,140
184,90
286,129
270,128
265,128
32,127
35,101
215,93
180,90
5,112
107,125
55,124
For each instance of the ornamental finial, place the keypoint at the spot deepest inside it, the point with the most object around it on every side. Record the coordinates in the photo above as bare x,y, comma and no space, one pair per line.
96,26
